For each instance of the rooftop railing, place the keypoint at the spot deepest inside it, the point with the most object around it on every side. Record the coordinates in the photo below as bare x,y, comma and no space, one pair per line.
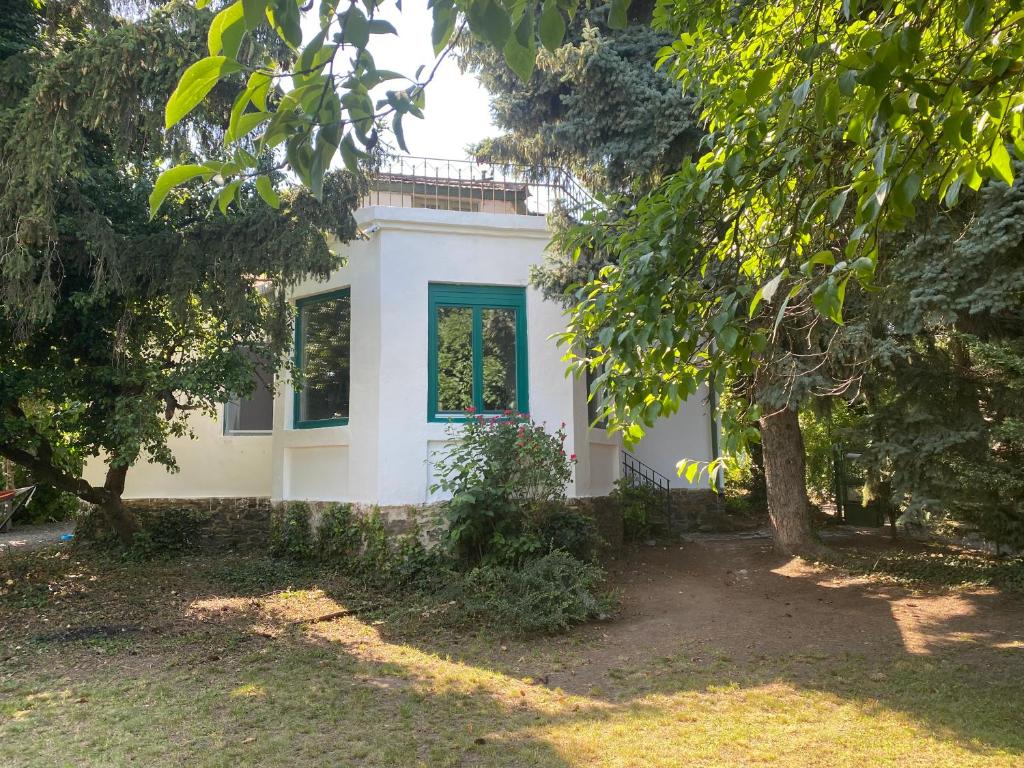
468,185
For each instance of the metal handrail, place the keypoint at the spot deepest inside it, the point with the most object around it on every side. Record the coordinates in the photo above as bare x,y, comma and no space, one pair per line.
469,185
636,473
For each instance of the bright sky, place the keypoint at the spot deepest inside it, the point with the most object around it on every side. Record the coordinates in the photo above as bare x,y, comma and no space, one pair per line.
457,112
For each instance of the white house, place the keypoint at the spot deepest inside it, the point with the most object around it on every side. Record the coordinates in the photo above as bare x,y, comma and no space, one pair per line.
432,313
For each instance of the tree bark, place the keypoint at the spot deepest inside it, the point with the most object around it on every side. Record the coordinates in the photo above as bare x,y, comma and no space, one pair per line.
784,470
119,517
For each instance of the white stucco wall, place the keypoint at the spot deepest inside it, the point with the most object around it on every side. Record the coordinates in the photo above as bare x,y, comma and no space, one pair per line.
212,465
389,441
383,455
684,435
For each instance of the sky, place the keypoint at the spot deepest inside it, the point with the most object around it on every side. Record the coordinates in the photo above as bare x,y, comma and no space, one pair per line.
457,111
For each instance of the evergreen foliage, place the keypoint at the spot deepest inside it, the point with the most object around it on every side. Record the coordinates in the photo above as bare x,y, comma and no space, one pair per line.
944,399
595,106
116,327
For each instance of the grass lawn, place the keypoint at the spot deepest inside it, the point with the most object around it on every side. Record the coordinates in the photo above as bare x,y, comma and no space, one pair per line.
724,655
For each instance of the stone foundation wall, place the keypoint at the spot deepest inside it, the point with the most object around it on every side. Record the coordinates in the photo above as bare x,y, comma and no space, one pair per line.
227,523
231,523
245,522
607,514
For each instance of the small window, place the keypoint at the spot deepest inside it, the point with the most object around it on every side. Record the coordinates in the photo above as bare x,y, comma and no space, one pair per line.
322,350
253,414
477,350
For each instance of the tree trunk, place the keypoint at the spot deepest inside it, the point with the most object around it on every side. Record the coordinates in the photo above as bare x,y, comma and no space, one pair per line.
784,471
119,517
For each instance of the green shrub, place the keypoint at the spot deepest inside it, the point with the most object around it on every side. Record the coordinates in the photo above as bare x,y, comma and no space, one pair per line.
562,528
503,473
162,530
546,595
638,504
291,532
338,535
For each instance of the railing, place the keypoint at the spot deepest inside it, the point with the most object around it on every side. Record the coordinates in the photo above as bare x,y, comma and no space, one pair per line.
640,475
468,185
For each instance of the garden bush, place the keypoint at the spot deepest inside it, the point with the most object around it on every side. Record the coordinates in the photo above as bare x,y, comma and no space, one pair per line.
546,595
507,478
638,505
162,530
291,531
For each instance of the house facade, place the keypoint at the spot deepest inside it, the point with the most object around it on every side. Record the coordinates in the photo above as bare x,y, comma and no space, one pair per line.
432,315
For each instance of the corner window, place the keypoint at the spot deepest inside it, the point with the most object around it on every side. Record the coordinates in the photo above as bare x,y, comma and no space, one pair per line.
477,356
254,414
322,351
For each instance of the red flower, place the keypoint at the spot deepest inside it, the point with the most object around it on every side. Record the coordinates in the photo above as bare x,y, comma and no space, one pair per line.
471,409
572,457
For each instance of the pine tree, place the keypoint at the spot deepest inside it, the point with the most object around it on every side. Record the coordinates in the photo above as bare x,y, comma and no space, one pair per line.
114,328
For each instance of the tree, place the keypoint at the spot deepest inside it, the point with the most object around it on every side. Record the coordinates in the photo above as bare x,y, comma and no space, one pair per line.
944,426
116,327
596,107
315,103
829,124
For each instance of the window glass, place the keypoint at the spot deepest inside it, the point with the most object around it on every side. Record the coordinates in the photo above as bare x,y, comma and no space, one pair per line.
254,413
454,358
499,358
477,357
323,357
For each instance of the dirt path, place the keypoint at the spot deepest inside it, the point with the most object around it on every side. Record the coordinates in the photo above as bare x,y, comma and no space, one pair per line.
739,598
25,538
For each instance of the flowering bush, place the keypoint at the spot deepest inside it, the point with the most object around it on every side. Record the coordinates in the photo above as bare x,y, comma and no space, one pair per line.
506,475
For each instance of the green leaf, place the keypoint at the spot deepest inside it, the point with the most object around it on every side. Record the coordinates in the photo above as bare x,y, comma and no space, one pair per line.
728,337
444,16
195,83
759,85
999,162
226,30
356,27
835,208
226,195
490,21
266,190
552,25
170,179
396,127
617,18
908,189
258,87
382,27
285,20
350,153
247,122
255,13
801,92
520,58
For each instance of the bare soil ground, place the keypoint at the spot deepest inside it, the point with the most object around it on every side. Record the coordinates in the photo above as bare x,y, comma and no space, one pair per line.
724,654
738,596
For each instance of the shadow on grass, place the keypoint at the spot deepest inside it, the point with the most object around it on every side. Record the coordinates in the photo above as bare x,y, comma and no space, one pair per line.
232,669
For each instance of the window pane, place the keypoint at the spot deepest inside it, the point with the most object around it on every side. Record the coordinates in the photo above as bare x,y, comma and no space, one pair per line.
454,358
325,359
499,364
254,413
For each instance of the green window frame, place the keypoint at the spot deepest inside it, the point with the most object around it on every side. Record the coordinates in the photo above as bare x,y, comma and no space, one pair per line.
478,299
300,304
